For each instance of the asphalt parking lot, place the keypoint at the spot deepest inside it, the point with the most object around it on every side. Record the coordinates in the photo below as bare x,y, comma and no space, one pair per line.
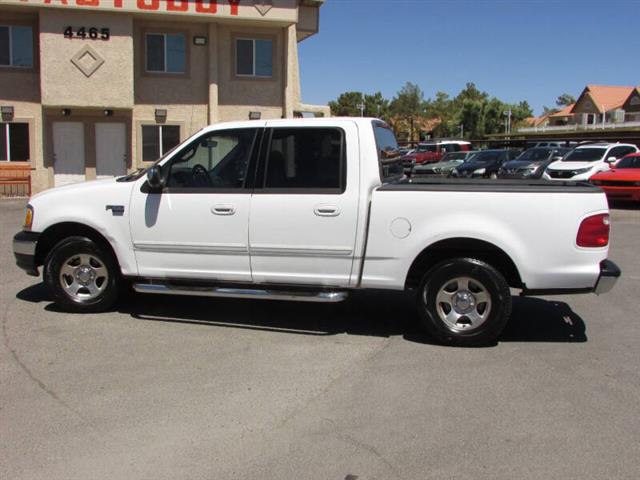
177,388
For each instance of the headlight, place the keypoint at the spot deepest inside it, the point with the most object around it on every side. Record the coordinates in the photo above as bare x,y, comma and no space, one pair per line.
581,171
479,171
28,218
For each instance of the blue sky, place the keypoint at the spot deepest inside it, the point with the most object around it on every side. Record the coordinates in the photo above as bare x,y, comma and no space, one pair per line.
516,50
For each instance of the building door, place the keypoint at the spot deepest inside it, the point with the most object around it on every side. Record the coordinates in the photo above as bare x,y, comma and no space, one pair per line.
111,150
68,153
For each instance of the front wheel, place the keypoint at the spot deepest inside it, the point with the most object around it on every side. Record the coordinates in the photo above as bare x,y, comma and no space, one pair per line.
464,301
82,275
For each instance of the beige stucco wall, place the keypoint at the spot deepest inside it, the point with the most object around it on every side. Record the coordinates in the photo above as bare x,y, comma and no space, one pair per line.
63,84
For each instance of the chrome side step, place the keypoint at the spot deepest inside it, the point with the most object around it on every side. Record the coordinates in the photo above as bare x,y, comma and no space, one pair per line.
310,296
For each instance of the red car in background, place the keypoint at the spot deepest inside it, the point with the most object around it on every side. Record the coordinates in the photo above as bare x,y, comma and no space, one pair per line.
622,182
431,152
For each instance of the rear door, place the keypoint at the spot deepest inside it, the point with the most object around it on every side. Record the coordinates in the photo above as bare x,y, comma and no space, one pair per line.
304,210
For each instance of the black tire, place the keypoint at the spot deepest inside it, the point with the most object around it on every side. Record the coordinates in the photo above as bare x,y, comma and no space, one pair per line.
480,322
101,274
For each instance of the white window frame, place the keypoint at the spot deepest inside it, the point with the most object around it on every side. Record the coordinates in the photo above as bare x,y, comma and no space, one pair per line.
253,43
164,51
7,137
11,65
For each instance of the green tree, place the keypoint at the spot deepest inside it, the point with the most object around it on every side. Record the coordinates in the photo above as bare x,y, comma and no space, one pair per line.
408,106
376,106
565,100
347,104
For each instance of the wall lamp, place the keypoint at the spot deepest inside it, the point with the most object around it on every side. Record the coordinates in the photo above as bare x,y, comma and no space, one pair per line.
161,115
65,112
255,115
7,112
107,112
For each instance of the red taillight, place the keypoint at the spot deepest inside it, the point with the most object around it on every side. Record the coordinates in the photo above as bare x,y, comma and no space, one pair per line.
594,231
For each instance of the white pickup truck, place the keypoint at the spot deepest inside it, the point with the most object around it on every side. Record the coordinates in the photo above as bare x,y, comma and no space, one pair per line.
308,210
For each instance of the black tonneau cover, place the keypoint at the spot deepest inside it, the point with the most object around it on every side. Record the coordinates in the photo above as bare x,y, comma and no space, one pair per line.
430,184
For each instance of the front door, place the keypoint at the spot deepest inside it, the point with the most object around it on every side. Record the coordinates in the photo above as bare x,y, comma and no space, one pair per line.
111,149
198,226
303,216
68,153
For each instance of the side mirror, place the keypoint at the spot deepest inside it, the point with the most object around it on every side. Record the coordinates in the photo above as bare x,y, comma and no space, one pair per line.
155,178
611,160
556,158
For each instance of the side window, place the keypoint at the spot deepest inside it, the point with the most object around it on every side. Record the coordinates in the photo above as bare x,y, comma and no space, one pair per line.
157,140
217,160
624,151
306,158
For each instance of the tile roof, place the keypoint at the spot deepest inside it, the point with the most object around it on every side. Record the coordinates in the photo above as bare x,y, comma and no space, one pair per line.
607,97
565,112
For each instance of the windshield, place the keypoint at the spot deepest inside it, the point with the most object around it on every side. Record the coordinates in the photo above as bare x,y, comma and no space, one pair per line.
585,155
391,167
486,156
534,155
629,162
427,148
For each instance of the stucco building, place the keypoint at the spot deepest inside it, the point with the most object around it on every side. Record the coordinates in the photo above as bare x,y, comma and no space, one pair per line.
95,88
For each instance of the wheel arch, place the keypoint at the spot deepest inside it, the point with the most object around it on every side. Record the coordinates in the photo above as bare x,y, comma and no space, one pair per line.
53,234
463,247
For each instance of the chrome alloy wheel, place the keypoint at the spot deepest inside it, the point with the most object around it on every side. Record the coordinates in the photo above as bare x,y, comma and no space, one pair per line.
463,304
83,277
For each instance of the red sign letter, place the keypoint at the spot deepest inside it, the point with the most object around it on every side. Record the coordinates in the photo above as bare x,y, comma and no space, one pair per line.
211,8
117,3
64,2
234,6
152,5
177,5
88,3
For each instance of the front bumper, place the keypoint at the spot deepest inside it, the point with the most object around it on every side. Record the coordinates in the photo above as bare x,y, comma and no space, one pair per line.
609,274
24,249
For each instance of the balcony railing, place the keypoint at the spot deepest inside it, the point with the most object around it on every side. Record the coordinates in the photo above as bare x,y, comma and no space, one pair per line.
579,127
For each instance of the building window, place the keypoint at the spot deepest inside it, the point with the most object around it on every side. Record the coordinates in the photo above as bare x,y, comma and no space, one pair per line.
308,159
14,142
158,140
254,58
165,53
16,46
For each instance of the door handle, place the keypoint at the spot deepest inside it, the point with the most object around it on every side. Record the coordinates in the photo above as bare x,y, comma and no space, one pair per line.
326,211
223,209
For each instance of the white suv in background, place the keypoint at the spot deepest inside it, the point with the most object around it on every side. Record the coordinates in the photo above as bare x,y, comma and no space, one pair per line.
587,160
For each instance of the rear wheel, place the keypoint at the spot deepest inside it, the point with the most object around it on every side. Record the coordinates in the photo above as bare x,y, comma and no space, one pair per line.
82,275
464,301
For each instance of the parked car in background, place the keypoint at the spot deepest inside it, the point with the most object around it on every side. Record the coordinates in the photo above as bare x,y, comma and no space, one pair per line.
587,160
532,163
622,182
432,152
485,163
445,166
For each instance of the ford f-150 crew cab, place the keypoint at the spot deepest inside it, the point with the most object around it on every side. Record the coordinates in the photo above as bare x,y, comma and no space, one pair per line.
309,210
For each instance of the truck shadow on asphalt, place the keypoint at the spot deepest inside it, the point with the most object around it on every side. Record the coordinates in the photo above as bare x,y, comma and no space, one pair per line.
380,314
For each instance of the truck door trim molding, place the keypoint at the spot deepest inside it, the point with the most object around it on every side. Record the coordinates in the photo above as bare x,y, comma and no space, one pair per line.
207,249
324,252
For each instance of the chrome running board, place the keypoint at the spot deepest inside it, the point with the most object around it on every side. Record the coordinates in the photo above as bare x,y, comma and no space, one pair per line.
226,292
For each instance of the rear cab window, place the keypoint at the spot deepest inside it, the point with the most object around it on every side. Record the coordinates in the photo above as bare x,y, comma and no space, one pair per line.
391,168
